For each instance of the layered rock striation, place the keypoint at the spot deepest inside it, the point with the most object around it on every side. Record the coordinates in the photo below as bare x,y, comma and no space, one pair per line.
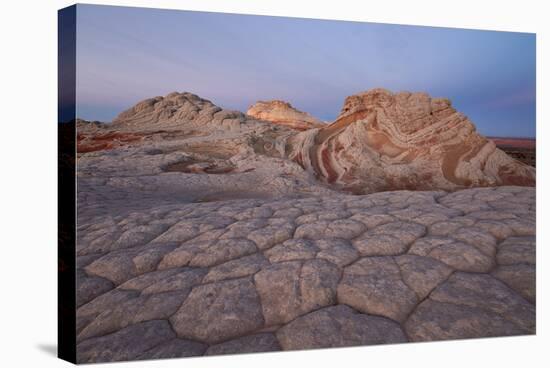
205,231
380,141
385,141
282,113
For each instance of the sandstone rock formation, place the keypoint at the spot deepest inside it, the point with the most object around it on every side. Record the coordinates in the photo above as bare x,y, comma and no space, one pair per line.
205,231
176,111
385,141
176,279
380,141
282,113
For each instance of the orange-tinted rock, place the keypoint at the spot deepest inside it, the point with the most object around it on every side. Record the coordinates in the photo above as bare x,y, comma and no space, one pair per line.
93,142
380,141
385,141
282,113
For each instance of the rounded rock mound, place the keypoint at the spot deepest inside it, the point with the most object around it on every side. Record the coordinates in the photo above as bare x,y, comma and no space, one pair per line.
385,141
282,113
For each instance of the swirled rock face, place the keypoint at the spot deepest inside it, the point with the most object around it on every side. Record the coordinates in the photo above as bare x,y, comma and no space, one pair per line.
178,111
282,113
385,141
380,141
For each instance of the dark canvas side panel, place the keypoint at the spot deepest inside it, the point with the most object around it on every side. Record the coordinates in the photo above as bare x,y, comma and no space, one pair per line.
66,184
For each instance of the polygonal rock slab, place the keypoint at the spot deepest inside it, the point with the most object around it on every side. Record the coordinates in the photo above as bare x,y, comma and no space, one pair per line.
116,267
374,286
143,281
496,228
344,229
125,344
222,250
104,302
292,250
268,236
90,287
479,238
433,320
520,277
289,289
445,228
422,274
423,246
338,326
483,291
182,255
241,229
183,280
148,259
406,232
371,220
176,348
516,250
237,268
258,343
379,245
526,226
278,286
338,251
140,235
219,311
179,232
139,309
463,257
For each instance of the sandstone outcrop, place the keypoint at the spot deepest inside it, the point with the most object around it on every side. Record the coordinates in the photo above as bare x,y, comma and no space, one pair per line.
204,231
380,141
282,113
385,141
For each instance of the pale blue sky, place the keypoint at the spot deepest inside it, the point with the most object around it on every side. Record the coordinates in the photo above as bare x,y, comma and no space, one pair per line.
125,55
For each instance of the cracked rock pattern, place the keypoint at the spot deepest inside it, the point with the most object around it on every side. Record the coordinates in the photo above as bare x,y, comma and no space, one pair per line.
176,278
204,231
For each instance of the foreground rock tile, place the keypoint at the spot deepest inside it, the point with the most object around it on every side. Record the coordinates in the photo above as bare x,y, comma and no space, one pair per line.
237,268
486,292
88,288
290,289
125,344
463,257
338,251
374,286
292,250
219,311
176,348
434,320
262,274
520,277
468,306
516,250
338,326
259,343
134,310
422,274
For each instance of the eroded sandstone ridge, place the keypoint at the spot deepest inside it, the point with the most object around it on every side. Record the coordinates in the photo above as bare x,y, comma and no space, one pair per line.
205,231
385,141
280,112
380,141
